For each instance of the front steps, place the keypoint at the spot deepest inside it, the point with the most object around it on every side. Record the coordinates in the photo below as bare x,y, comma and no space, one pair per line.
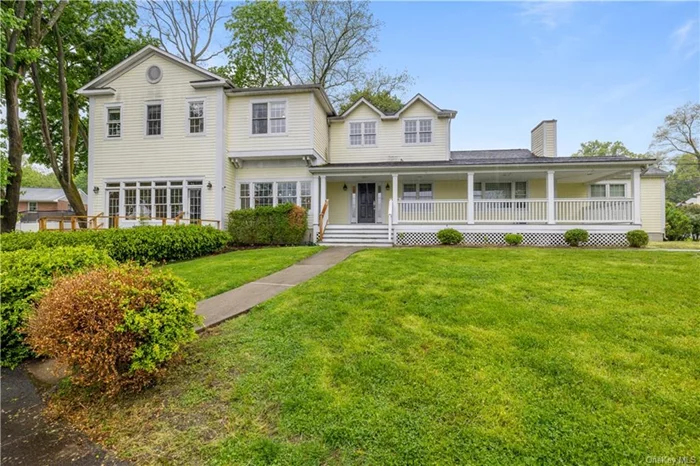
365,234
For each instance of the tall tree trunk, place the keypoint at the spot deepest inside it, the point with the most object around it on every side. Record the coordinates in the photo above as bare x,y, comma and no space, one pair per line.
14,155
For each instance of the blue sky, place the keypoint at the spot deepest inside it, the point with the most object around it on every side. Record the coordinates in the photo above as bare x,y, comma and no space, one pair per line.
604,70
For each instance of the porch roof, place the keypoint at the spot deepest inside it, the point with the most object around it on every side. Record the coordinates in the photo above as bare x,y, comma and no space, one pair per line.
491,159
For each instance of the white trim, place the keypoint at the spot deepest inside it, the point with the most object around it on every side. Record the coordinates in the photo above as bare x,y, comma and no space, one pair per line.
107,107
549,186
154,81
470,198
271,153
220,135
312,122
98,92
520,228
146,104
91,155
188,101
268,102
137,58
415,99
418,131
637,195
362,133
360,101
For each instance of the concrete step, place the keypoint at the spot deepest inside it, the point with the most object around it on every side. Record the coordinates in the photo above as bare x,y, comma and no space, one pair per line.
356,244
355,240
352,236
358,226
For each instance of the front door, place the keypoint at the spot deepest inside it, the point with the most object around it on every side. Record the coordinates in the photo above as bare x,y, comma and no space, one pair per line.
365,206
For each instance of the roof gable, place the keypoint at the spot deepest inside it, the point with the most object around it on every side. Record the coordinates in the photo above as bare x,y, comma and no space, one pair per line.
441,113
101,83
359,102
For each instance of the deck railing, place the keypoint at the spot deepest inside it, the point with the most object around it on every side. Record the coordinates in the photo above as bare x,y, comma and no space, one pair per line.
516,211
510,211
98,222
594,210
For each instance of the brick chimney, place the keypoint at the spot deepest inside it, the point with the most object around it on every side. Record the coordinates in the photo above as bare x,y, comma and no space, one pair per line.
543,139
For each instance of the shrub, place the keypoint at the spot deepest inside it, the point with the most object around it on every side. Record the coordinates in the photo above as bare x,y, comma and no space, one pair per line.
693,212
576,237
284,224
514,239
449,236
115,327
678,224
23,276
141,244
637,238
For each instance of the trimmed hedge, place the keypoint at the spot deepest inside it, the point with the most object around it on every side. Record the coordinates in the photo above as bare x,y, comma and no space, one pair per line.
449,236
282,225
576,237
24,275
513,239
141,244
637,238
116,327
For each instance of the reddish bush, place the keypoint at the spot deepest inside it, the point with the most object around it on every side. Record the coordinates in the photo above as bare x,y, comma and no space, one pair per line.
115,327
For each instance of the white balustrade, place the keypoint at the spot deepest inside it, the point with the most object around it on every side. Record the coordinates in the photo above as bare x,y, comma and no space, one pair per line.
594,210
510,210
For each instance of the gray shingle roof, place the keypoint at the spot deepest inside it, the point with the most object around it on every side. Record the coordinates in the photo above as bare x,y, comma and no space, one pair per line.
655,171
45,195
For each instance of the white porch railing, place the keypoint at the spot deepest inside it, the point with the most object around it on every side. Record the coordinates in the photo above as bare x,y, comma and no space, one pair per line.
432,211
594,210
516,211
510,210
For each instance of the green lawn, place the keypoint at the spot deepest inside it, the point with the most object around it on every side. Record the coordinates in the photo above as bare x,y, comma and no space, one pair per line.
438,356
674,245
212,275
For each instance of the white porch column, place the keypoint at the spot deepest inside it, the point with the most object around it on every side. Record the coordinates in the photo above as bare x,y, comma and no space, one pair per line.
323,191
637,195
550,198
470,198
315,203
395,196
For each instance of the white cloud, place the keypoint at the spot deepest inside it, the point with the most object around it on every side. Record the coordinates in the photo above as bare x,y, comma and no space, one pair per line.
686,38
551,14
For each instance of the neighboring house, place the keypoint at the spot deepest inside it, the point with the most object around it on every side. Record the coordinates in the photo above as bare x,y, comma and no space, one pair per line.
692,200
169,138
44,202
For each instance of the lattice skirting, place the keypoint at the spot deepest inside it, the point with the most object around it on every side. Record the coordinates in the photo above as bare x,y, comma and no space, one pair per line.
423,238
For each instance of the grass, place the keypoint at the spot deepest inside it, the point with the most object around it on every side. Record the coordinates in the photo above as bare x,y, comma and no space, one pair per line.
437,356
674,245
213,275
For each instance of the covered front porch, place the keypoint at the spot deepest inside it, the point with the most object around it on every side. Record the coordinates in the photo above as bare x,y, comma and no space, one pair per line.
603,200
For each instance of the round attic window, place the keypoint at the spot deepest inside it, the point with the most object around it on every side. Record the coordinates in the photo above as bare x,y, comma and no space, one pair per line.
154,73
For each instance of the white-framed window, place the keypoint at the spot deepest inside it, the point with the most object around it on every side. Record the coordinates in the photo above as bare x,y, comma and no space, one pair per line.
155,199
269,117
32,206
195,116
363,133
113,128
418,131
418,191
500,190
604,190
271,193
154,119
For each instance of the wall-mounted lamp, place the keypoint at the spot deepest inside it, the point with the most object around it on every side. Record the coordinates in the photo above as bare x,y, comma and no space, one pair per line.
388,187
209,185
345,187
96,189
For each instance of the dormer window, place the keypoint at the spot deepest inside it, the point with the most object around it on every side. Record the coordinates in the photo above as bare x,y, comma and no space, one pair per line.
269,117
418,131
363,133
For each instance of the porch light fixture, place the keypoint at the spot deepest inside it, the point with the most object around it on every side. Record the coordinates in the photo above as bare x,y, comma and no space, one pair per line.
345,187
209,185
388,187
96,189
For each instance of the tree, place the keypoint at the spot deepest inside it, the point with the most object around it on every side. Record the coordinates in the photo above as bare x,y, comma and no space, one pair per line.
24,27
331,46
383,100
184,27
684,182
606,149
679,133
33,178
89,38
257,54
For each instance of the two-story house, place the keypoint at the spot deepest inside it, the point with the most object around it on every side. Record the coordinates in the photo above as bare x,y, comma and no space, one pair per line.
171,140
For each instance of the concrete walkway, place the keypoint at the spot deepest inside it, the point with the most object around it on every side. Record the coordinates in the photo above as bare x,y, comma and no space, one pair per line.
239,300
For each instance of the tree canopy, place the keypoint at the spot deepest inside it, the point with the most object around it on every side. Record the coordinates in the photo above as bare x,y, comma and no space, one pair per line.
680,131
606,149
383,100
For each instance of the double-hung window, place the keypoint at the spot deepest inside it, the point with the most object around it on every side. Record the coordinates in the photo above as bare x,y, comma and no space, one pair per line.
603,190
269,117
195,116
32,207
418,131
363,133
271,193
114,122
154,119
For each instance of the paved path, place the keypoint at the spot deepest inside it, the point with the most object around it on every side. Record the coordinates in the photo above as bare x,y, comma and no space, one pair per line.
239,300
29,439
